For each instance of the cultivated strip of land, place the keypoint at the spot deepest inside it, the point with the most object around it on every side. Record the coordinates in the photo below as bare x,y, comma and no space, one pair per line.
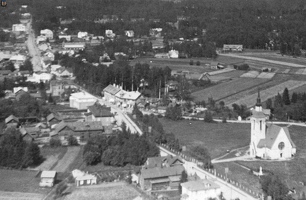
68,158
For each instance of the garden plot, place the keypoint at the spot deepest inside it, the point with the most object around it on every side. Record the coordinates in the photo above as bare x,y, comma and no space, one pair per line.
250,100
221,71
301,71
250,74
266,75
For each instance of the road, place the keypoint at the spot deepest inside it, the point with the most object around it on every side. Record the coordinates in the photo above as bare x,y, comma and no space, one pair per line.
263,60
33,50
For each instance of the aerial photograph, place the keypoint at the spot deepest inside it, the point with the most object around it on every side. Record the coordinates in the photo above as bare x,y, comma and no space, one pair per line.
153,100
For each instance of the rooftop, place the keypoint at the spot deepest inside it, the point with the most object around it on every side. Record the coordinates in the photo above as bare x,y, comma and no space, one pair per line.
48,174
100,111
200,185
82,95
111,89
162,172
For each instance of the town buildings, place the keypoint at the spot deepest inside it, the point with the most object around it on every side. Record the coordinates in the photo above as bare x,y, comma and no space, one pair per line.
101,113
81,100
202,189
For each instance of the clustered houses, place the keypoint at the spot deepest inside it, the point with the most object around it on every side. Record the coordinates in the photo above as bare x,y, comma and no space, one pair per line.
97,112
160,173
117,95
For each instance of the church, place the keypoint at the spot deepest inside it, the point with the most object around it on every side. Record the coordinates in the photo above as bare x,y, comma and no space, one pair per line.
269,141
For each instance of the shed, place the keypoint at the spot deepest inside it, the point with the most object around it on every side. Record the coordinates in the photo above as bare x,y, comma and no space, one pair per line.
47,178
87,179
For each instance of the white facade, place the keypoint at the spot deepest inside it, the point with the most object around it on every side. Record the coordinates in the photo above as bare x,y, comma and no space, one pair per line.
129,33
67,37
18,27
18,59
109,33
36,78
47,33
81,100
74,46
173,54
200,190
82,34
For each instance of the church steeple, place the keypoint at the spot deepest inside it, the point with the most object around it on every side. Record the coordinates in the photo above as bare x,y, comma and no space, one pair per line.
258,103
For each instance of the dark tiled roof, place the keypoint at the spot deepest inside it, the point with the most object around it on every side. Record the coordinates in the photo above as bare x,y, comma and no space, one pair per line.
52,116
159,172
98,110
79,126
111,89
158,161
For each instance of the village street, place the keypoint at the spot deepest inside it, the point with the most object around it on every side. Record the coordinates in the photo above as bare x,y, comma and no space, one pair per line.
33,50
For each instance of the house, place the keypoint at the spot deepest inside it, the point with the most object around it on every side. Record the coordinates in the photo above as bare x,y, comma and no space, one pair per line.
11,121
17,89
66,37
53,119
129,33
82,34
156,32
172,86
101,113
163,161
18,59
74,46
18,27
232,47
41,38
24,73
202,189
47,178
159,178
110,91
63,72
20,93
38,77
80,130
127,98
87,179
58,87
81,100
269,142
161,55
34,132
5,72
36,96
173,54
47,33
109,33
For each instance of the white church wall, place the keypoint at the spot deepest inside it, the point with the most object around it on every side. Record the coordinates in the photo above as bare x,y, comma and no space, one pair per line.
286,152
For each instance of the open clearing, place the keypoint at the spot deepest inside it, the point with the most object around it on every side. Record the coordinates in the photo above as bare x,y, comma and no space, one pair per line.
107,191
225,89
52,155
20,196
250,100
21,181
68,158
216,137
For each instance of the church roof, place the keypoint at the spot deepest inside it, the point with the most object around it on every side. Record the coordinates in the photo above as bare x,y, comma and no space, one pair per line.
271,135
258,114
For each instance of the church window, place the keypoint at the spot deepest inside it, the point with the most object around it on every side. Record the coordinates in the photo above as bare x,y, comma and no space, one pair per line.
281,145
254,124
260,124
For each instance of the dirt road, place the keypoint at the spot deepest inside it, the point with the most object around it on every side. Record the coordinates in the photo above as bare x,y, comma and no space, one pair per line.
68,158
33,50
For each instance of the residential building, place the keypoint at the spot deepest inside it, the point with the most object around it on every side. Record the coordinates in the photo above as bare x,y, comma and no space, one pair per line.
82,131
233,47
41,38
129,33
18,27
11,121
81,100
53,119
87,179
173,54
161,55
16,89
63,72
38,77
26,136
47,178
160,178
202,189
109,34
74,46
58,87
163,161
269,141
110,91
34,132
101,113
66,37
128,99
20,93
47,33
82,34
18,59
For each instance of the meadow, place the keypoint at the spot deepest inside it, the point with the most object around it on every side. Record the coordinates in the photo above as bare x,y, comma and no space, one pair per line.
216,137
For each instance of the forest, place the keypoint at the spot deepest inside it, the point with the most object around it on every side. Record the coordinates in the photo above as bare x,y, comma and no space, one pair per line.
261,24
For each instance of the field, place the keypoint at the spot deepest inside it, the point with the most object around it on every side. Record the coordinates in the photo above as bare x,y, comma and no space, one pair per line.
68,158
216,137
225,89
110,191
52,156
20,196
21,181
250,100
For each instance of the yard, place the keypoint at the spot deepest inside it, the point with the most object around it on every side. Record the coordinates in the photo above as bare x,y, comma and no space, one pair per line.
106,191
216,137
51,156
225,89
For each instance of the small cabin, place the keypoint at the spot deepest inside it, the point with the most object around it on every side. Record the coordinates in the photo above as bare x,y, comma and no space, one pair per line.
47,178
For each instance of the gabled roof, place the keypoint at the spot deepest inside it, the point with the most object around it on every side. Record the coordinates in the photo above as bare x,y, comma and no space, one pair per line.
29,130
272,133
158,161
98,110
200,185
10,118
258,114
158,172
111,89
79,126
52,116
48,174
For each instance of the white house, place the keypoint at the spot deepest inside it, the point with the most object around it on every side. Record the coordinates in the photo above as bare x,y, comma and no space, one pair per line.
18,27
109,33
41,38
47,33
81,100
269,141
82,34
47,178
128,98
67,37
74,46
38,77
173,54
18,59
16,89
200,190
129,33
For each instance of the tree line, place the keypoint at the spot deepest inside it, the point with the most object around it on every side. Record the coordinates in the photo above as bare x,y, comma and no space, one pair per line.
120,150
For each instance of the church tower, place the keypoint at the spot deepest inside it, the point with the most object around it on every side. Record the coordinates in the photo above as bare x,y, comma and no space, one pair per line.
258,126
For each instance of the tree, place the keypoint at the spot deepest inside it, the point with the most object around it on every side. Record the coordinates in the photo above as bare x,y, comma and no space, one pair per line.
173,113
274,187
286,98
27,66
278,101
183,179
91,158
10,66
208,117
72,141
31,155
294,97
50,99
269,104
55,142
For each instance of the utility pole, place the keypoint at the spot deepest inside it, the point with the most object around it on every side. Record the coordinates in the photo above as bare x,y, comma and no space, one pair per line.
159,90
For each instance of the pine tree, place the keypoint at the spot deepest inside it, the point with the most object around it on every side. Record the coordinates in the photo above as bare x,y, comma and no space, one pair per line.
294,97
286,98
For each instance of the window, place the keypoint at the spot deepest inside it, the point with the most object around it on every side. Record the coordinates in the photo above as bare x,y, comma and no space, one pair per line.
281,145
260,124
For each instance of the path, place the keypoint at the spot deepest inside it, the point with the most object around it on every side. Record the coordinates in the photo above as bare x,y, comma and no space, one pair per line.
20,196
263,60
70,155
33,50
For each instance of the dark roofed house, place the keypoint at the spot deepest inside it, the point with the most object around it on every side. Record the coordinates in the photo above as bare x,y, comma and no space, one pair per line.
33,131
80,130
11,121
164,161
53,119
101,113
110,91
161,178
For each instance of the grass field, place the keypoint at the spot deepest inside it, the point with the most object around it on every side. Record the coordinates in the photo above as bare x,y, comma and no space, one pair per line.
20,196
51,156
21,181
250,100
67,159
225,89
216,137
112,191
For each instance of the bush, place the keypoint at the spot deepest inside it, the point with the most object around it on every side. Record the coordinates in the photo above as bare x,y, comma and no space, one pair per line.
198,63
191,62
55,142
224,119
60,189
208,117
72,141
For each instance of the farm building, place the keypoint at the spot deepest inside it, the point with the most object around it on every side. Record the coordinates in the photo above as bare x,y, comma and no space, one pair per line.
200,189
269,142
11,121
34,132
101,113
110,91
81,100
47,178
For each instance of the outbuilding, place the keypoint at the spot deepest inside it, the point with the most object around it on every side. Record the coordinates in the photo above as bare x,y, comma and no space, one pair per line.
47,178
